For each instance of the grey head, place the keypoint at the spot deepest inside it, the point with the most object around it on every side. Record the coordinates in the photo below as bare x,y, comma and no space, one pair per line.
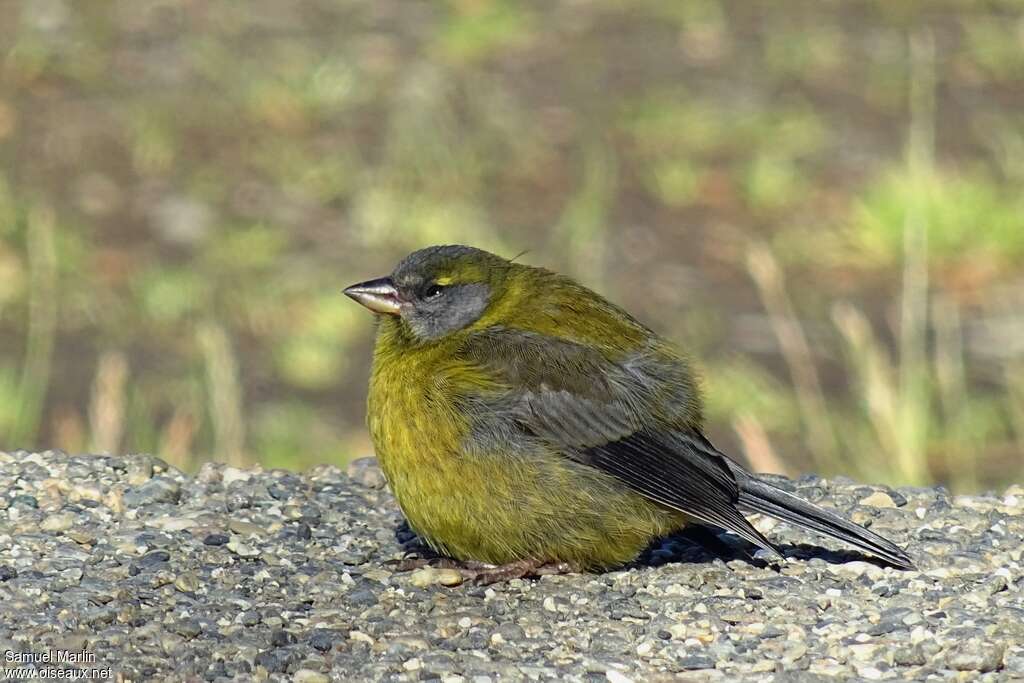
435,291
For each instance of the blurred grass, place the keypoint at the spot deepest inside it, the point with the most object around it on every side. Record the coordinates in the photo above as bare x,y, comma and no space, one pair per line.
820,201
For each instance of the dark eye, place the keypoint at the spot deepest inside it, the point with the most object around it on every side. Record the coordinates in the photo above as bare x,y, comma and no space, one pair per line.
433,291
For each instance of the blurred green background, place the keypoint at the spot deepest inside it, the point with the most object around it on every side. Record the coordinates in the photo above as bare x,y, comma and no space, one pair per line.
821,200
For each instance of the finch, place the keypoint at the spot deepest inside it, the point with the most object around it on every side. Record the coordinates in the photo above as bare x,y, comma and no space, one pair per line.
523,422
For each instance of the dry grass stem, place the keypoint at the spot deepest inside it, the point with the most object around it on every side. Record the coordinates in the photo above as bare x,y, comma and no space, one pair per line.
757,446
873,371
954,392
177,438
42,324
767,275
107,405
225,393
913,366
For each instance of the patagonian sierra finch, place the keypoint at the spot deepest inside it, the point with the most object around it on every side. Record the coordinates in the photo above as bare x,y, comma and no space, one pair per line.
526,424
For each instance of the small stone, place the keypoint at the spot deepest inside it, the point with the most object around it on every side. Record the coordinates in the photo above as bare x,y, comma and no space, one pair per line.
323,639
870,673
1014,661
209,473
429,576
81,537
155,491
310,676
366,471
696,662
140,470
421,578
187,582
85,491
362,597
246,528
281,638
229,475
188,629
274,661
908,655
249,618
976,655
859,568
242,549
878,499
360,637
794,652
614,676
913,619
114,500
993,585
449,577
172,523
153,558
216,539
58,523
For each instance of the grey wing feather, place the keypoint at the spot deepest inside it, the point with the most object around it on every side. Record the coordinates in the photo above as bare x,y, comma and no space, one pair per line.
597,412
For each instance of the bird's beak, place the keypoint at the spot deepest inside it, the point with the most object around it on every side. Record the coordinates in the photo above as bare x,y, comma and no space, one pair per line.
379,295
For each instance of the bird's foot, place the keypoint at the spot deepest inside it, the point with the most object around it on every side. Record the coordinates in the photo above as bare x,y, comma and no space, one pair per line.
484,574
521,569
408,564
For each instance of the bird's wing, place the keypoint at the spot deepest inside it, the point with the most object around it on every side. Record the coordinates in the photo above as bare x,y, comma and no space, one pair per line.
627,418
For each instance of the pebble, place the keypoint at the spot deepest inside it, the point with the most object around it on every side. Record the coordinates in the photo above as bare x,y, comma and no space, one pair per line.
187,582
429,576
242,549
156,490
81,537
243,528
878,499
153,558
58,523
246,574
976,655
230,475
366,471
140,470
449,577
171,523
85,492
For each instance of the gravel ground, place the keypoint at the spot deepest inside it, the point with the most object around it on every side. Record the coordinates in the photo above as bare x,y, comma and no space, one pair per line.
275,575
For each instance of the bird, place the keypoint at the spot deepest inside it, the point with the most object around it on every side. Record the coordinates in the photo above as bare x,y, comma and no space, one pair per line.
527,425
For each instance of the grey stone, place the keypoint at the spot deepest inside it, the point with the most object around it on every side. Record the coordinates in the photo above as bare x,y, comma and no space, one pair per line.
154,491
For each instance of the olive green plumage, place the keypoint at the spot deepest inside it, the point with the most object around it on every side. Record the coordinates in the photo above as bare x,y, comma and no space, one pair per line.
518,415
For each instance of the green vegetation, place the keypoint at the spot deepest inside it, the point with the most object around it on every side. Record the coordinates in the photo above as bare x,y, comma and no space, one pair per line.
821,200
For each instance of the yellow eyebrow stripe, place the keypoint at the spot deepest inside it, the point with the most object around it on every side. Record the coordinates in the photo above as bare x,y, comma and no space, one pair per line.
443,281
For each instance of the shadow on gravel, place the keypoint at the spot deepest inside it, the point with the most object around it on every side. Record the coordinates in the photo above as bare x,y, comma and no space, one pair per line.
694,545
700,544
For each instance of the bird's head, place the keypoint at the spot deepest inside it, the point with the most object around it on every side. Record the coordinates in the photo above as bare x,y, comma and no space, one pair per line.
436,291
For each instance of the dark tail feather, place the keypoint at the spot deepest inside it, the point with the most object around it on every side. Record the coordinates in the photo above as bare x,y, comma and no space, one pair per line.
758,496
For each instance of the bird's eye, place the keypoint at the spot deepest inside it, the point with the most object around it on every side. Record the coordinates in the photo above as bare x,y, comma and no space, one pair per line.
433,291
